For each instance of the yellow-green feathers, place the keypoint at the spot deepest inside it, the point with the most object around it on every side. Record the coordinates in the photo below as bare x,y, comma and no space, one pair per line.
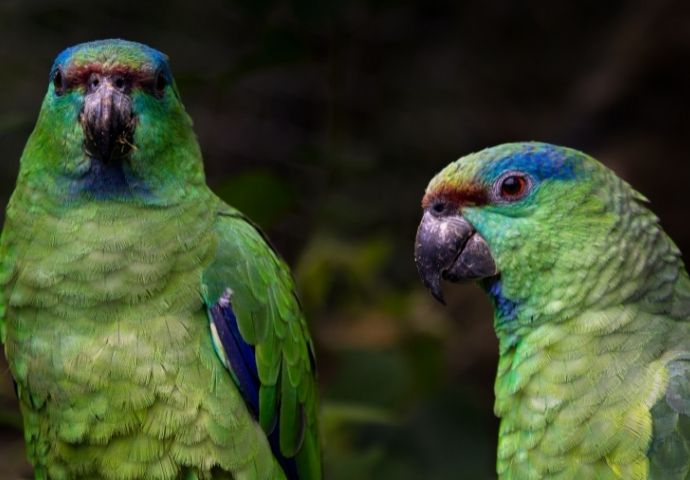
104,292
592,312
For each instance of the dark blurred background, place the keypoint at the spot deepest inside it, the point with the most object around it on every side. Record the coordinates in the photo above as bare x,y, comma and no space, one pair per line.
325,120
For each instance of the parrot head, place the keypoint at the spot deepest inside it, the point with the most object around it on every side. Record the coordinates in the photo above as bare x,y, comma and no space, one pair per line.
532,223
112,125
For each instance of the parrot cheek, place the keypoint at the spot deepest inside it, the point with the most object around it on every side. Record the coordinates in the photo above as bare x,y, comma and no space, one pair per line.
448,247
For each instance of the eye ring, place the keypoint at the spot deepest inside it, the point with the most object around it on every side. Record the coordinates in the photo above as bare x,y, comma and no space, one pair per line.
160,83
512,186
58,82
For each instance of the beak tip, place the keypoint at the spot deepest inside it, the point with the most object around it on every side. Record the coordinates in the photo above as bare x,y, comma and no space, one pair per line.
438,295
434,286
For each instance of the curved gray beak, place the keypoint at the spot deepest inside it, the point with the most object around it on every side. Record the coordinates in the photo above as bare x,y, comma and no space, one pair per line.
107,117
448,247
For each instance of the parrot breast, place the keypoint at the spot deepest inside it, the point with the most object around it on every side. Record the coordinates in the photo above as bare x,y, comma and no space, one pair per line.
109,344
575,398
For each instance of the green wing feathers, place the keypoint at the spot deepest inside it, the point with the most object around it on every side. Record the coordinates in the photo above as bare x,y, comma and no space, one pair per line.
270,319
669,453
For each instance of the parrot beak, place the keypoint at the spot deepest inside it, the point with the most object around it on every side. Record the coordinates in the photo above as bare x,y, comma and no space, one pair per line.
448,247
107,118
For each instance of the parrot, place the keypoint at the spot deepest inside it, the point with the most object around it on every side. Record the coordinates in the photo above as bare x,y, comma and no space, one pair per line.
591,304
151,330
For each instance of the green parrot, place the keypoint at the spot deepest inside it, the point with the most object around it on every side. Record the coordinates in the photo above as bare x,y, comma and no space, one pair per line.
151,330
591,308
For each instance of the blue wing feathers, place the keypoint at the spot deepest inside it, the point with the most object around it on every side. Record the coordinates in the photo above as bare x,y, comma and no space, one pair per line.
240,354
241,359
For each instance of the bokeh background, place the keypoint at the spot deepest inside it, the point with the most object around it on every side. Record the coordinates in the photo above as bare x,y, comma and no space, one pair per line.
324,120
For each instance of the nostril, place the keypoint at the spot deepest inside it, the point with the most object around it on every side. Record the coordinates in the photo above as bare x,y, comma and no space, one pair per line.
94,82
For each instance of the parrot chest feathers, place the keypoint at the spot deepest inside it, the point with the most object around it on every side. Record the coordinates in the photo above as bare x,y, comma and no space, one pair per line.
101,278
109,344
575,397
108,258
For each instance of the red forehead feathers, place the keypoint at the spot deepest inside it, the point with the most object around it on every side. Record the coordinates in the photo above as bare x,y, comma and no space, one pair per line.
79,75
467,195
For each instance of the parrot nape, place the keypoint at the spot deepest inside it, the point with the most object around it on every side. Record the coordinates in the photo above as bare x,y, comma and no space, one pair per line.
151,330
591,309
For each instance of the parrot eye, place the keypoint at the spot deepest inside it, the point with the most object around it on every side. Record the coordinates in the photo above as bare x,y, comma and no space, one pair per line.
439,207
161,83
512,186
58,83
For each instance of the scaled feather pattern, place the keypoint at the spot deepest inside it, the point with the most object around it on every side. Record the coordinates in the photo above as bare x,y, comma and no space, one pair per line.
591,309
151,330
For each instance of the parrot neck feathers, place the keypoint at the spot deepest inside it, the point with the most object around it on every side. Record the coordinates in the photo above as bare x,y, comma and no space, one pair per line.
626,260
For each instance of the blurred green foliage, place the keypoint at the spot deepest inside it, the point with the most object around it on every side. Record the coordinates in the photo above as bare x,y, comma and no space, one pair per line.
248,193
323,120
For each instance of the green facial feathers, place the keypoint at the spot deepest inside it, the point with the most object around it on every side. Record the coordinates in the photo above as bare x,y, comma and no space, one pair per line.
592,311
151,330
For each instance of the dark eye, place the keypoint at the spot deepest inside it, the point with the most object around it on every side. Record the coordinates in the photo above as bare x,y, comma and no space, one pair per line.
439,207
58,83
513,187
161,83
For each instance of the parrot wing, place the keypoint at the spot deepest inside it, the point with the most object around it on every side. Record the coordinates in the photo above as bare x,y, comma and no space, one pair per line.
669,452
261,336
